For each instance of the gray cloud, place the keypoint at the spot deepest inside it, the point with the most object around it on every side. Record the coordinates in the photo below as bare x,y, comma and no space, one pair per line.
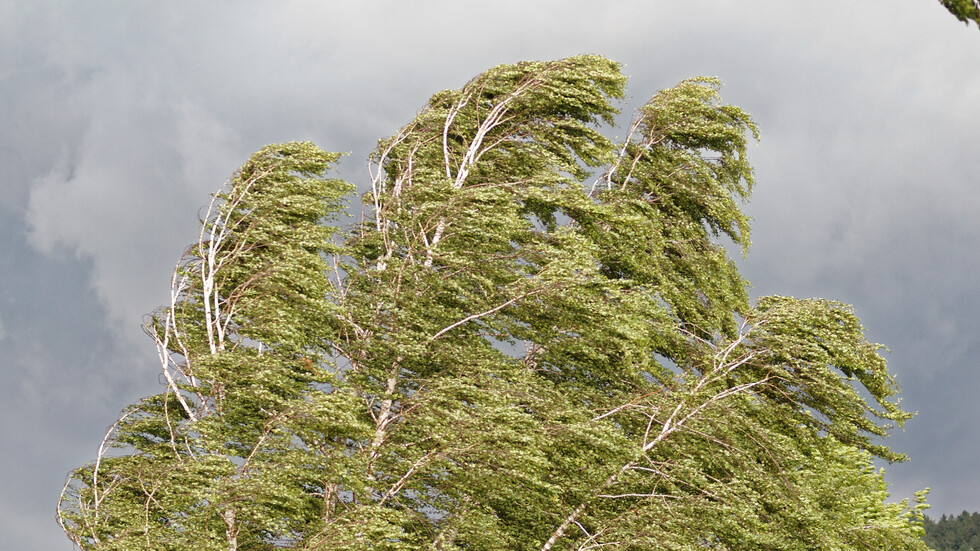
137,177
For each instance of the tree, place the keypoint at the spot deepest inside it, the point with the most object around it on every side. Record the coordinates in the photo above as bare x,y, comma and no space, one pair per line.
964,10
961,532
218,448
499,356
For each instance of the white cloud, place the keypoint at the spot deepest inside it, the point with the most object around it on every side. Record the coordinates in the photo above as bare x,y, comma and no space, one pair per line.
127,197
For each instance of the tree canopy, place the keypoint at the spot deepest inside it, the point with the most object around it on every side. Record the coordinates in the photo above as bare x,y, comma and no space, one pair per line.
534,338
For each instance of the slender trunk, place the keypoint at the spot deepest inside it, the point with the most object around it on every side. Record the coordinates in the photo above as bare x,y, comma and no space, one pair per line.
329,497
231,528
564,526
574,515
447,536
383,419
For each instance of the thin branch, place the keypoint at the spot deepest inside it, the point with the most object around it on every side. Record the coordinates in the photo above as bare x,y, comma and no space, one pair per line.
470,318
419,463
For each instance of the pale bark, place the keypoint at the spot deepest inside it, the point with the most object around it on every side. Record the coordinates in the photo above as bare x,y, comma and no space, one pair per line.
231,528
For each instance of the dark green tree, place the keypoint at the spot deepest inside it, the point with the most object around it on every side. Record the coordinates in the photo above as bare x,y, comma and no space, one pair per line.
949,533
534,339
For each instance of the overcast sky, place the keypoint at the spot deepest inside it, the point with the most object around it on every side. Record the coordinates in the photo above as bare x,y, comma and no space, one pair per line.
118,118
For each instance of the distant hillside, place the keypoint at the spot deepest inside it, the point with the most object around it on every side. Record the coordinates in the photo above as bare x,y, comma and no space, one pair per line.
959,533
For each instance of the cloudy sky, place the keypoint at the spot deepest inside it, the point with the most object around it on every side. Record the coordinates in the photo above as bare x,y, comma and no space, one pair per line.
118,118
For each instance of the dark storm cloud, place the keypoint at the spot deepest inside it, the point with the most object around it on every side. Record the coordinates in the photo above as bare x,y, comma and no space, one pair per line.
120,118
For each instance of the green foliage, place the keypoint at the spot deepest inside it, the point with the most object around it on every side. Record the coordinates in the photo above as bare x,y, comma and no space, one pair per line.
964,10
500,356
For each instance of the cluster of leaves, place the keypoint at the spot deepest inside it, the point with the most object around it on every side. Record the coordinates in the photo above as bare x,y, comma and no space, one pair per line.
500,355
953,533
964,10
